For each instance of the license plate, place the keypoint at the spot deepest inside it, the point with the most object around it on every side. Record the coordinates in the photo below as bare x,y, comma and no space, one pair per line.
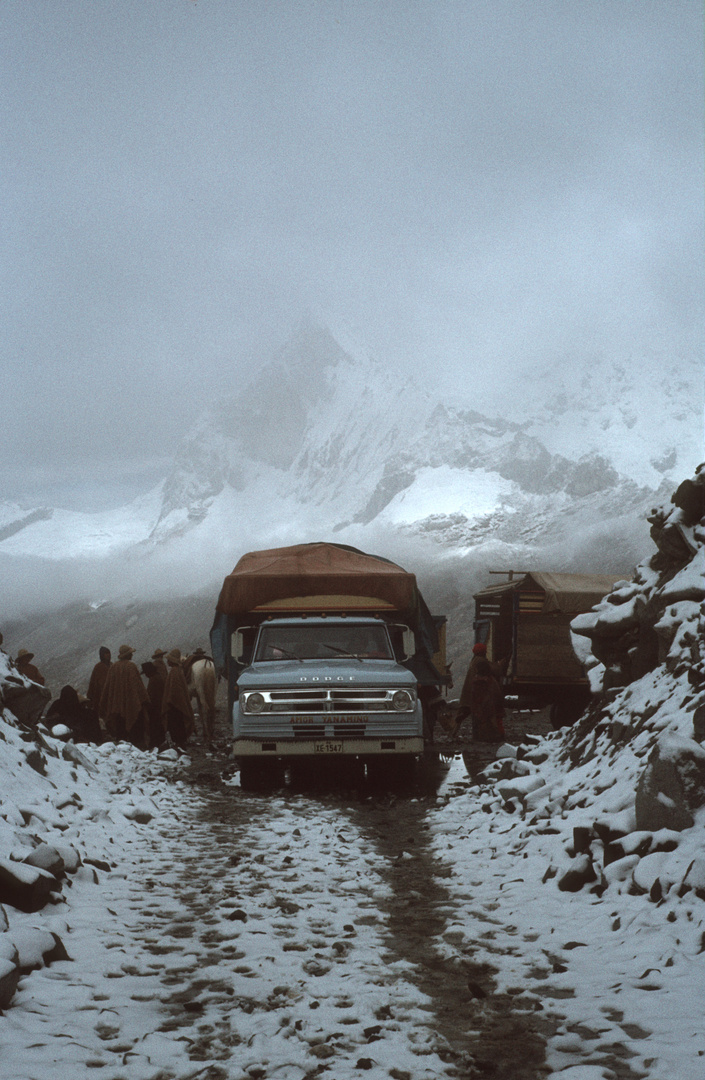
328,747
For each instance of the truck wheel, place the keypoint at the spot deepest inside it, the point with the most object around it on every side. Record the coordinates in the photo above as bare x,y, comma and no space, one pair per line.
405,768
391,770
256,775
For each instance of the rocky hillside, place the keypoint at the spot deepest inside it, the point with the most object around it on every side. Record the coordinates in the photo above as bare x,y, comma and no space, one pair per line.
623,792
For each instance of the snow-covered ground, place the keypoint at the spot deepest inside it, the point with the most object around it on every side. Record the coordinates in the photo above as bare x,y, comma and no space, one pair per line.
217,933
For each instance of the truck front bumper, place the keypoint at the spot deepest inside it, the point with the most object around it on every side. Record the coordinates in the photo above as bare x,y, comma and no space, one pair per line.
290,748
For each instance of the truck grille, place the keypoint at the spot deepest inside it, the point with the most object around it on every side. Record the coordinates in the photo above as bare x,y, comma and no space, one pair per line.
331,700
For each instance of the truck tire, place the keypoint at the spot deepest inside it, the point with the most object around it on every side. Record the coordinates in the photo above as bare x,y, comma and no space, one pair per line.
256,775
391,771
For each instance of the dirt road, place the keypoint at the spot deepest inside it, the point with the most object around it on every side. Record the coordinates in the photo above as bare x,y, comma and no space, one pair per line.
307,931
305,842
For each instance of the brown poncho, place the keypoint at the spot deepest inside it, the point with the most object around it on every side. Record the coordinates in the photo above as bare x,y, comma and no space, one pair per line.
29,671
97,683
497,667
176,696
124,694
161,667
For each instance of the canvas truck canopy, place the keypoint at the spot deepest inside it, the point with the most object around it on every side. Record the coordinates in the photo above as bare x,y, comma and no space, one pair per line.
321,577
572,593
271,580
566,593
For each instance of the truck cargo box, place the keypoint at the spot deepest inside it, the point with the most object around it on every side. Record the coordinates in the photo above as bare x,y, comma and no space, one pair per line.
527,619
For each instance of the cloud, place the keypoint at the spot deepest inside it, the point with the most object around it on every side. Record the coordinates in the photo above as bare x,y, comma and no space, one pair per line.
471,187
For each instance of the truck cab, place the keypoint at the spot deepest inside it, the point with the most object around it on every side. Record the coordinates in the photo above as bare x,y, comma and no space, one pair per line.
316,686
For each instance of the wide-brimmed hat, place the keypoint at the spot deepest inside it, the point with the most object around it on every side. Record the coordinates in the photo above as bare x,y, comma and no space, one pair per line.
199,651
24,654
158,653
125,652
174,657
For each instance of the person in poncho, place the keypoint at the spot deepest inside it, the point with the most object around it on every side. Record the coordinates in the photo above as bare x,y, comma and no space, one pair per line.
26,668
486,704
97,680
124,701
156,681
478,702
176,703
158,661
76,714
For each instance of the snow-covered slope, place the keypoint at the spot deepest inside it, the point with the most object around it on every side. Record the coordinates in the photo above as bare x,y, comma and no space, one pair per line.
645,415
68,534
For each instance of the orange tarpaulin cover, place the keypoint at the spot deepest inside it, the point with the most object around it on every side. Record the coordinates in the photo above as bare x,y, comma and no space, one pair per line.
261,577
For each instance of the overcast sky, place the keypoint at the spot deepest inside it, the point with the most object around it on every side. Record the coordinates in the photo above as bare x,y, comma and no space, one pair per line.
472,186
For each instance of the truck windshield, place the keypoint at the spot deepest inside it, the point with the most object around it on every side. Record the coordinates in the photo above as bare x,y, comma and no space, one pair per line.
321,642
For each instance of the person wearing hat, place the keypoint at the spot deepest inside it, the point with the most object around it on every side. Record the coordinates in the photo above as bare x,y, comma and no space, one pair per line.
158,661
189,661
97,680
469,701
23,665
124,701
176,703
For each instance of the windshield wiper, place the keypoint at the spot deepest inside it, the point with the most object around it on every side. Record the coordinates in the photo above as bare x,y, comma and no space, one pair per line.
343,652
285,652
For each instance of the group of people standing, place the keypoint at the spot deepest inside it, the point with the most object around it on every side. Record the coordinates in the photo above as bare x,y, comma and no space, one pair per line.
144,715
119,705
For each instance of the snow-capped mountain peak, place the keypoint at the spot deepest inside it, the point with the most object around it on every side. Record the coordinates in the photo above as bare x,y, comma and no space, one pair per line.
326,439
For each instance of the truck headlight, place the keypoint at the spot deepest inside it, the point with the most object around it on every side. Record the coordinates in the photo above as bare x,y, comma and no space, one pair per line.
401,701
254,703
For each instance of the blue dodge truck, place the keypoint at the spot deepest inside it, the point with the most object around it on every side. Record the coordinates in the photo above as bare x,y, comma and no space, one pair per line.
329,653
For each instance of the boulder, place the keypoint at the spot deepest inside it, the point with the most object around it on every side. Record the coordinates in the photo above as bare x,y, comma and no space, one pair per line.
699,723
37,948
25,887
580,872
9,978
71,858
690,498
26,701
47,858
670,788
520,787
69,752
37,761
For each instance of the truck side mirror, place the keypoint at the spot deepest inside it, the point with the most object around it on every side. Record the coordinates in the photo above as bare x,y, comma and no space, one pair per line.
237,646
408,643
